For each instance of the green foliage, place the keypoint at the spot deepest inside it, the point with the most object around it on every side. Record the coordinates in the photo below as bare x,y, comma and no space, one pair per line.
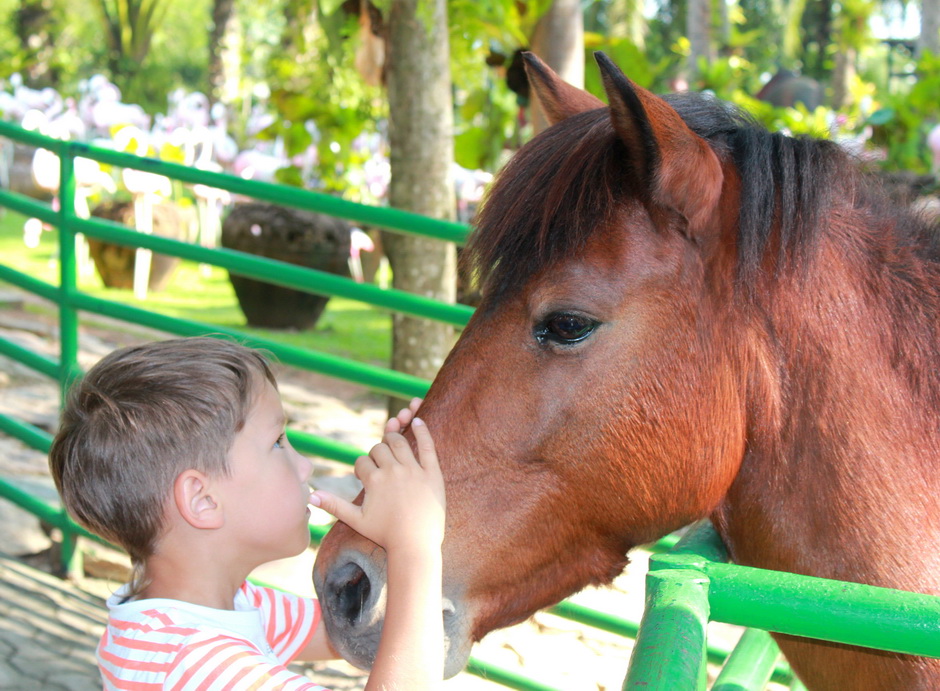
169,49
485,117
313,80
485,122
724,76
318,83
903,121
625,53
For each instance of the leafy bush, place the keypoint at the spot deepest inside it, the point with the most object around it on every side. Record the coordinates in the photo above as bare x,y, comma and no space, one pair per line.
903,121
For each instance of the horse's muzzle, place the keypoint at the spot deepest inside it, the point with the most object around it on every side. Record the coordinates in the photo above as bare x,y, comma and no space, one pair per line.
352,592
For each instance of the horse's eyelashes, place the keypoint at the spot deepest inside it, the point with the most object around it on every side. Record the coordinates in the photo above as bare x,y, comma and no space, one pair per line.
565,328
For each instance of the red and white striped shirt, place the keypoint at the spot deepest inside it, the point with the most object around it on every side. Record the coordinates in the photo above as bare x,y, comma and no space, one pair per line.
168,644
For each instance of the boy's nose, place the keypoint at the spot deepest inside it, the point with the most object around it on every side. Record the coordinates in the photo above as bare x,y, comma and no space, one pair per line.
304,467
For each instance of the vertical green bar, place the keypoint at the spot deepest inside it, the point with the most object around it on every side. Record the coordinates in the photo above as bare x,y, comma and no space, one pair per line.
669,654
750,664
68,319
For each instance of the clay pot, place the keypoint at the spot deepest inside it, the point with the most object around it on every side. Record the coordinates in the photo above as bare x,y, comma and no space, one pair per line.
115,263
290,235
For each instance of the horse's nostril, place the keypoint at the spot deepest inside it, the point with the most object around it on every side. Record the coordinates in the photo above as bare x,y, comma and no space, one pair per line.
350,588
448,608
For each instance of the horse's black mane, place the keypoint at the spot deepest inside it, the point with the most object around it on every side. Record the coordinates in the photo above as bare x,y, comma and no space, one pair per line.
571,179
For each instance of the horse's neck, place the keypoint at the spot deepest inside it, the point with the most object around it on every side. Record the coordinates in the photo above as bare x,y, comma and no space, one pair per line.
841,477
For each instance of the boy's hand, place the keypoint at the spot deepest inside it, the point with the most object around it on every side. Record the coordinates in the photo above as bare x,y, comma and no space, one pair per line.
403,506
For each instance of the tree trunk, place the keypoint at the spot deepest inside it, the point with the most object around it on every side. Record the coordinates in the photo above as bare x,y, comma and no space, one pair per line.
929,39
421,145
558,40
221,49
842,72
699,31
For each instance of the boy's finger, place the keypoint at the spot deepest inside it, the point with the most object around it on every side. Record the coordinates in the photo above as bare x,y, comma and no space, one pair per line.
427,454
400,448
343,510
381,454
415,404
404,418
364,467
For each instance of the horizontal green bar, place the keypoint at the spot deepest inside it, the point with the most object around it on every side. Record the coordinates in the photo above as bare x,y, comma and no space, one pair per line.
27,357
318,532
378,379
499,675
323,447
592,617
384,217
29,284
280,273
750,665
703,541
31,138
53,515
42,510
662,545
824,609
32,436
29,207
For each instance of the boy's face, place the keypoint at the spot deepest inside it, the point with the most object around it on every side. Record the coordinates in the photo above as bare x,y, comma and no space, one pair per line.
267,493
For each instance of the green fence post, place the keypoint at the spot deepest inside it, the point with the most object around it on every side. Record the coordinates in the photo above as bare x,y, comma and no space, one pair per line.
669,654
68,315
71,556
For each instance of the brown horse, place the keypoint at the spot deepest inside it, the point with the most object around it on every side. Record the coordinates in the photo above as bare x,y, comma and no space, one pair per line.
684,316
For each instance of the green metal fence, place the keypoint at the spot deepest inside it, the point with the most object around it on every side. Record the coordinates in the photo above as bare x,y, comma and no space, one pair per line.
688,585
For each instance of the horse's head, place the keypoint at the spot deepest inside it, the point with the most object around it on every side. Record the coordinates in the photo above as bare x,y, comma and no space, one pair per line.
590,405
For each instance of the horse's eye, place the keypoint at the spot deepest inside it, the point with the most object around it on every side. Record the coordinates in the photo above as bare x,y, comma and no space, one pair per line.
565,328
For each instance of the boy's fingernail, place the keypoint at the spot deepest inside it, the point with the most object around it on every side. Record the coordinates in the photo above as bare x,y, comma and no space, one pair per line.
417,421
314,498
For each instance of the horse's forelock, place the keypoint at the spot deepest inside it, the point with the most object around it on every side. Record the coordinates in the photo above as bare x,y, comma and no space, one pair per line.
548,200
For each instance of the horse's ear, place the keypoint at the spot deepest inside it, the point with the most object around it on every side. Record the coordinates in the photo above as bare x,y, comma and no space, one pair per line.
557,98
683,171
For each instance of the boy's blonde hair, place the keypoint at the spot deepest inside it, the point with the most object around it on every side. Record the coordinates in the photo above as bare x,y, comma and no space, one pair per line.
139,418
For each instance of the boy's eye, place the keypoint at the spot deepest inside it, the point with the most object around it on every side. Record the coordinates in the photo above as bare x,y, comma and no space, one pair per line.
279,444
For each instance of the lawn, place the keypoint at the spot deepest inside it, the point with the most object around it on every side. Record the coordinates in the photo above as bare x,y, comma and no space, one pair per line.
347,328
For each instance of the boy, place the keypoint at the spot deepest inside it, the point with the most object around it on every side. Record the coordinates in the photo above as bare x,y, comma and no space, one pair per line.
176,451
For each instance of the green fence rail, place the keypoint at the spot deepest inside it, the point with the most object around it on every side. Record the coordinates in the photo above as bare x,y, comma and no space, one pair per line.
689,583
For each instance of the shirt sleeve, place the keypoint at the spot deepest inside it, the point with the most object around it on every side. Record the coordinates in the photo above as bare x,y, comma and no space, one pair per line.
222,663
289,620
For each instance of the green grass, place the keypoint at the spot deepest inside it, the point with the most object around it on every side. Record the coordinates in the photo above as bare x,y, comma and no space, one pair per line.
347,328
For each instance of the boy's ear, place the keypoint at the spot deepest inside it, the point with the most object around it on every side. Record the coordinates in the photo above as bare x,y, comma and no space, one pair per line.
194,500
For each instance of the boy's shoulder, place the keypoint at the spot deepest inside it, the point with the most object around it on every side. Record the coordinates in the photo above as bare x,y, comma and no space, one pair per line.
255,612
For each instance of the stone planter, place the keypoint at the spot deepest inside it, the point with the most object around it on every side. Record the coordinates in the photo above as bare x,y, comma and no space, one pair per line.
290,235
115,263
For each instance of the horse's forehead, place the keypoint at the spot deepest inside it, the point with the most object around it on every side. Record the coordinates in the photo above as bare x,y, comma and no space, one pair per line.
628,251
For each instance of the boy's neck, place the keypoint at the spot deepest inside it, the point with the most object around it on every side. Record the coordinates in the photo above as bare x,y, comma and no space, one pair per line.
199,577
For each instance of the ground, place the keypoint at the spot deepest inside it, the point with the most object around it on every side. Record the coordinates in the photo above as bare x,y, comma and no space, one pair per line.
556,652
